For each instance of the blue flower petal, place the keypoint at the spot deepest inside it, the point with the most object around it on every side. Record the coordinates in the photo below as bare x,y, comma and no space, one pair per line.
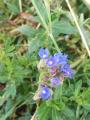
67,70
55,81
60,58
45,93
51,62
43,53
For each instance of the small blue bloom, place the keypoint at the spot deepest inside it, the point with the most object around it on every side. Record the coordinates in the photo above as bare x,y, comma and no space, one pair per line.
43,53
67,70
55,81
51,62
57,56
60,58
45,93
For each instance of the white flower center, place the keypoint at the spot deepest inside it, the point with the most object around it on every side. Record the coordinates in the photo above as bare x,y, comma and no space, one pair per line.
44,91
50,62
44,56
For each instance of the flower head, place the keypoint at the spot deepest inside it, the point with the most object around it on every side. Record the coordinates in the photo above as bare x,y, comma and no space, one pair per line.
60,58
51,62
43,53
67,70
55,81
45,93
53,71
57,57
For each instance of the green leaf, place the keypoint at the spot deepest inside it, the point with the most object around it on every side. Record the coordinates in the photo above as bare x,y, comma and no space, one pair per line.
64,27
56,115
78,86
37,42
41,11
33,45
43,112
86,106
26,116
3,79
86,94
9,105
86,34
87,117
13,8
56,104
5,116
68,113
26,30
86,99
11,90
58,93
3,99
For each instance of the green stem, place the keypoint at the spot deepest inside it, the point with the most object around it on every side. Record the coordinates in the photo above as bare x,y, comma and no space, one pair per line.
61,92
41,17
47,4
54,41
77,112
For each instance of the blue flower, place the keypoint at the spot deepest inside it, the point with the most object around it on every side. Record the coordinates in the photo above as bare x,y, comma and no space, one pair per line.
55,81
43,53
60,58
67,70
45,93
51,62
57,57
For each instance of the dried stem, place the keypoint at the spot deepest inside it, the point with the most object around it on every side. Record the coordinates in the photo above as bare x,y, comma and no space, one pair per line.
34,117
20,6
79,29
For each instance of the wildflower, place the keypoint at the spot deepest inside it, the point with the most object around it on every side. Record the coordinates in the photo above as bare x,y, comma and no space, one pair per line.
43,53
68,72
53,70
60,58
51,62
45,93
55,81
57,57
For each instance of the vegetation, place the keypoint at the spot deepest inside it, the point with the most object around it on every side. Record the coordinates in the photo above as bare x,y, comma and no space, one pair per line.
58,25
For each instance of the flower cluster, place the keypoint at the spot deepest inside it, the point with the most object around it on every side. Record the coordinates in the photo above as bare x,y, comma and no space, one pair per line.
54,68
